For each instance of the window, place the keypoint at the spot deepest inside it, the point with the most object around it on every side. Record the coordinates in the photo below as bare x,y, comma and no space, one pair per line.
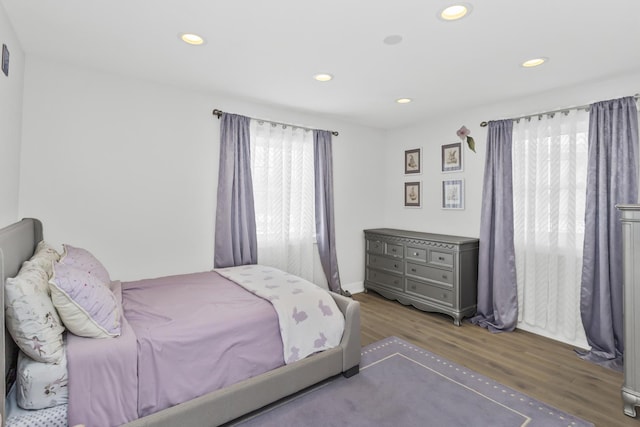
549,188
283,187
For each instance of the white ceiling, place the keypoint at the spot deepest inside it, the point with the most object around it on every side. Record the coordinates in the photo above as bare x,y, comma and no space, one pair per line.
268,51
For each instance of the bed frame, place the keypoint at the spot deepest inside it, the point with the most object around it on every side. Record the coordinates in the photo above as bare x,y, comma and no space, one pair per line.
17,244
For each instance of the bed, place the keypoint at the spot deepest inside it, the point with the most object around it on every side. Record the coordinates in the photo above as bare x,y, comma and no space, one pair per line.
18,243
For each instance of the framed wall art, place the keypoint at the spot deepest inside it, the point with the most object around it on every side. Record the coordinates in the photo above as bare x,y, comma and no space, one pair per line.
413,161
453,194
452,157
413,194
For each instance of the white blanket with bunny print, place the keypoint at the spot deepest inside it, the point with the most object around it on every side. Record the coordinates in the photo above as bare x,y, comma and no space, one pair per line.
310,320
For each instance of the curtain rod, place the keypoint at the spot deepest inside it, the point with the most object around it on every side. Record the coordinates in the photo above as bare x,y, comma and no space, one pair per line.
562,110
218,113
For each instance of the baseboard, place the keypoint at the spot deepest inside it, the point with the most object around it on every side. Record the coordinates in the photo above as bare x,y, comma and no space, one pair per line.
354,288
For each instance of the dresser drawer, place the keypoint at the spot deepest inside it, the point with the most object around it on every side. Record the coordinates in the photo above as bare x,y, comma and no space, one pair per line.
385,263
384,279
418,254
435,274
441,258
425,290
375,246
394,250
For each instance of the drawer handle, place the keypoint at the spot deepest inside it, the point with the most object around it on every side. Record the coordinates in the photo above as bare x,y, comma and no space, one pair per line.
413,270
395,282
413,287
444,276
441,258
393,250
395,265
415,254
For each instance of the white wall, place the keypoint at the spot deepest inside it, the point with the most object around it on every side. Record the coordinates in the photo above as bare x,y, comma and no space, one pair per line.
10,123
128,169
434,132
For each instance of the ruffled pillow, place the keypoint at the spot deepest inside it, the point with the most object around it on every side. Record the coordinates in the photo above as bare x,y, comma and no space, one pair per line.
31,317
45,256
87,307
84,260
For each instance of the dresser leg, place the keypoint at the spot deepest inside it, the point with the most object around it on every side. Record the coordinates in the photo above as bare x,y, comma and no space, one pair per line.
457,320
630,401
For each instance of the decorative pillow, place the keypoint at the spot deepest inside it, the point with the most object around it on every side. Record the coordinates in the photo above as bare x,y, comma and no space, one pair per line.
83,259
41,385
86,306
31,317
45,256
18,417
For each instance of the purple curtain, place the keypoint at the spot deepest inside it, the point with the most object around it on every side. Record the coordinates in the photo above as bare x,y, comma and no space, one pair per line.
235,239
612,179
325,222
497,308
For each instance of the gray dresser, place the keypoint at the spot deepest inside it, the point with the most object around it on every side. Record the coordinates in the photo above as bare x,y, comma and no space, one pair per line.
432,272
631,307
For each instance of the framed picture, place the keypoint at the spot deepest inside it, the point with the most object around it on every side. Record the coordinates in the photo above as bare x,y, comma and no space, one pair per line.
412,161
5,60
413,194
452,157
453,194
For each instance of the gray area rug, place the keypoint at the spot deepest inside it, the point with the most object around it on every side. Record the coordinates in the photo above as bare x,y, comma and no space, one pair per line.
402,385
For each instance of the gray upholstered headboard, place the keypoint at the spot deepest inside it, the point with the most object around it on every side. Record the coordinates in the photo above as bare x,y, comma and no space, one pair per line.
17,244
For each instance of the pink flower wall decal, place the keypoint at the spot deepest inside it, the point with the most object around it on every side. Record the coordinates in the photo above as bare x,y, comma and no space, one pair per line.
463,134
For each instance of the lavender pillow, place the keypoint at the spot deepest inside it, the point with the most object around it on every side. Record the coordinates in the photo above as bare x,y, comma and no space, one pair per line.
86,306
83,259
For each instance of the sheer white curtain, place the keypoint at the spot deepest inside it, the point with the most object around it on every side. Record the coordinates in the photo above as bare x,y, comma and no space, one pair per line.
549,188
283,189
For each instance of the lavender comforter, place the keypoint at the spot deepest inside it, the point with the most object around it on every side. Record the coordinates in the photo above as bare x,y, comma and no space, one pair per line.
192,334
100,366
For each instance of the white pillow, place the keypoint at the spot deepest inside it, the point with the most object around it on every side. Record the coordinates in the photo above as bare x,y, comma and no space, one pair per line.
31,317
87,307
41,385
84,260
45,256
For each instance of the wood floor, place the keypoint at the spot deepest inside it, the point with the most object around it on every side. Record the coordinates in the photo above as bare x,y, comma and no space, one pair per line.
539,367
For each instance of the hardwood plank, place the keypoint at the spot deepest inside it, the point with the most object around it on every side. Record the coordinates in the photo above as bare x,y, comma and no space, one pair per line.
542,368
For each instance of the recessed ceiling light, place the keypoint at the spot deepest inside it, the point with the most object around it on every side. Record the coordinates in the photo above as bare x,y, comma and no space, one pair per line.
323,77
403,100
456,11
191,38
534,62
